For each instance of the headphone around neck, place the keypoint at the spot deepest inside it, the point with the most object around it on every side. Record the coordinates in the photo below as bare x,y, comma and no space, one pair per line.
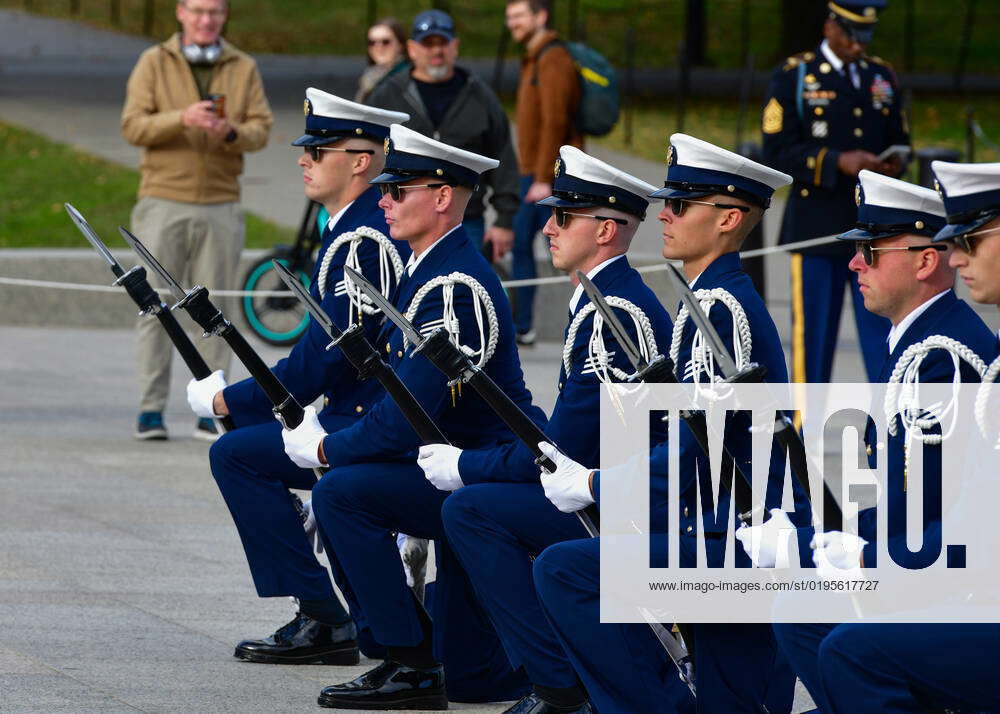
202,55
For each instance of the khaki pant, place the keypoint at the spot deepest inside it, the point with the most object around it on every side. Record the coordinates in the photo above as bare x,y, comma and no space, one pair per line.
199,244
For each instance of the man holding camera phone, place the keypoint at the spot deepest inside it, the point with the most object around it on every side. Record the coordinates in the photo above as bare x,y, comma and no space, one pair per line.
195,104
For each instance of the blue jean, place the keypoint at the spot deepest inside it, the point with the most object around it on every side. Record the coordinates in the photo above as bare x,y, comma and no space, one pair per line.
528,220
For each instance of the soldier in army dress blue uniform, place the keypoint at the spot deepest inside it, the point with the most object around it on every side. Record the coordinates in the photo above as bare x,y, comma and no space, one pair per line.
830,113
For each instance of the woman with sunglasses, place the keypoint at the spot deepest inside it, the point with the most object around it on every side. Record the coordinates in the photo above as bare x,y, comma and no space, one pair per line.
905,277
386,55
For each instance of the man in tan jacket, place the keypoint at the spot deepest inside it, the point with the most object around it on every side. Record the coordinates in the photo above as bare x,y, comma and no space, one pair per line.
195,104
547,100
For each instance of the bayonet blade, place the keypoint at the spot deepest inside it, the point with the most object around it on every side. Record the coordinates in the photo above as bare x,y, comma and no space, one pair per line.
722,357
91,235
617,328
387,308
314,308
152,262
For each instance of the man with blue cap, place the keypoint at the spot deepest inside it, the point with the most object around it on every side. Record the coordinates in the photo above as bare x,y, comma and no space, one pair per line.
829,113
905,277
498,517
713,198
374,486
909,668
342,152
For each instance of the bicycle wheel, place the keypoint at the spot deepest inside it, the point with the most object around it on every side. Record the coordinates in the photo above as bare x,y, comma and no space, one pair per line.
277,320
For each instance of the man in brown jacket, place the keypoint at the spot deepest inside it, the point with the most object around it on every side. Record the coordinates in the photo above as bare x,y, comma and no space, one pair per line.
547,100
194,104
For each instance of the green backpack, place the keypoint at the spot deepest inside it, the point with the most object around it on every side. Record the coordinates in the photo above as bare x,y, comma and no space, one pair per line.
600,98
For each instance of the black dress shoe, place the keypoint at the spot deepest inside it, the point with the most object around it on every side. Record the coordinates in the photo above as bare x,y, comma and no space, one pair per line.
390,686
533,704
304,641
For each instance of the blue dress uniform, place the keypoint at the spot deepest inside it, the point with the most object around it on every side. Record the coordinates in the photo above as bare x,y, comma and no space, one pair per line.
501,518
374,486
812,113
739,668
861,667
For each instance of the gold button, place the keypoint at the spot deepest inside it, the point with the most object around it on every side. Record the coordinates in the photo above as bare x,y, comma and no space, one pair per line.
885,111
685,510
919,225
560,385
388,349
359,409
804,192
690,528
818,111
857,111
358,131
858,132
811,162
611,199
399,353
868,449
326,401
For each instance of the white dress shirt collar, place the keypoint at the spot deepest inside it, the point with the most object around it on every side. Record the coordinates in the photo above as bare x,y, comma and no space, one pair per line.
578,293
896,332
414,261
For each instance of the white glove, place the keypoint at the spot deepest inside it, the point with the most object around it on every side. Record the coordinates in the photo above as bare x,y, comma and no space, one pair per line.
440,465
312,532
201,393
837,555
302,442
770,545
568,487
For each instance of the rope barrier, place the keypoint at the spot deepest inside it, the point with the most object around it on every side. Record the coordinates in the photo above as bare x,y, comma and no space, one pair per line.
554,280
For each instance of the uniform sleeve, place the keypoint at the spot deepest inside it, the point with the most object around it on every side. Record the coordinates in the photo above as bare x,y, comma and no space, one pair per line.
143,123
384,431
561,93
788,145
254,127
503,180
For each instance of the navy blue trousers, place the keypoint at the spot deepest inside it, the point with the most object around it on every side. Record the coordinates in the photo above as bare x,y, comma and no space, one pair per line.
496,529
818,283
254,474
359,506
894,668
528,220
625,669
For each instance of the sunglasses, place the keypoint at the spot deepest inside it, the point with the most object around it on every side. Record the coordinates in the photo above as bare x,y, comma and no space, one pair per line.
562,217
677,205
314,151
384,41
396,191
969,246
868,253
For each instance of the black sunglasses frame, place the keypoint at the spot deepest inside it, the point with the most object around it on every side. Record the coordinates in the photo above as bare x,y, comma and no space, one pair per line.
562,216
316,152
869,254
677,205
396,191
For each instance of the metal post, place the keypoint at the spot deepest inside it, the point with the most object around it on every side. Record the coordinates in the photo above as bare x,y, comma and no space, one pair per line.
74,7
746,84
683,79
115,12
963,48
970,134
148,14
629,82
908,37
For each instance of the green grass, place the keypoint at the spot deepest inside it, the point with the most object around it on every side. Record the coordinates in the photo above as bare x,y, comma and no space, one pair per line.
324,27
934,121
39,175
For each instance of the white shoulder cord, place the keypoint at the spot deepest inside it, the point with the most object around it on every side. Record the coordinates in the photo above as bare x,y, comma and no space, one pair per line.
702,360
902,395
388,259
481,304
598,357
983,397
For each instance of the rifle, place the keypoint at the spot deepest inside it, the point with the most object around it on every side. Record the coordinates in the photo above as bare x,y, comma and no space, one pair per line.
142,293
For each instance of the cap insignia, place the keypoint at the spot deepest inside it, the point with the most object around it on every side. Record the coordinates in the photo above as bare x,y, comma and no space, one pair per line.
305,107
386,144
557,168
857,195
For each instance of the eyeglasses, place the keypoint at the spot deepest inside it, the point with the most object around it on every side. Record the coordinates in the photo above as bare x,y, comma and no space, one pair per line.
384,41
396,191
969,246
213,13
677,205
314,151
562,217
868,253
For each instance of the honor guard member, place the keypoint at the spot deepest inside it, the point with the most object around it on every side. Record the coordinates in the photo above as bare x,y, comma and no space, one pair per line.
830,113
905,277
374,486
342,152
713,198
498,518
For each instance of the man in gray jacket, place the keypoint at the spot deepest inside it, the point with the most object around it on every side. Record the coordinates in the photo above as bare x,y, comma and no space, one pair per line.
448,103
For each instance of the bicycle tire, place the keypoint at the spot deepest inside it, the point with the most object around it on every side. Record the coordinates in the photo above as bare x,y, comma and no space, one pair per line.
279,321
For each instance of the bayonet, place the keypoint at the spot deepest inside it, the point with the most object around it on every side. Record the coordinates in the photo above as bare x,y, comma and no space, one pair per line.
142,293
366,360
459,369
150,260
